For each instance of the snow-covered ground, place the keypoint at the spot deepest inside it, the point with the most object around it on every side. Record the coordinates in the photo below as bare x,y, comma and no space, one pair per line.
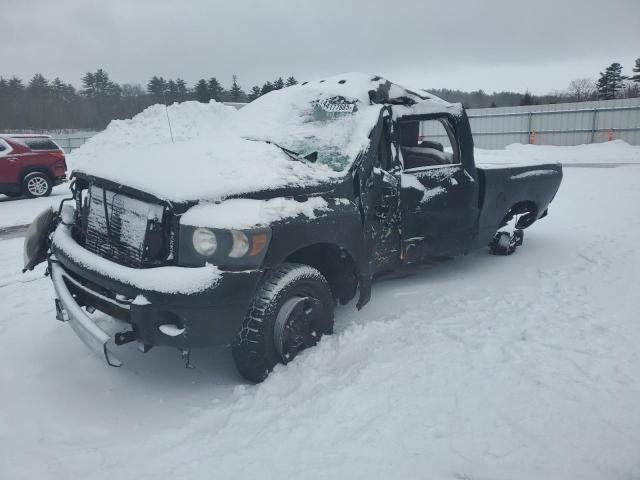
19,211
614,152
520,367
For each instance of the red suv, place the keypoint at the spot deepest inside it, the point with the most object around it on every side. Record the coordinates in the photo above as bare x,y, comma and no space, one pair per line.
30,165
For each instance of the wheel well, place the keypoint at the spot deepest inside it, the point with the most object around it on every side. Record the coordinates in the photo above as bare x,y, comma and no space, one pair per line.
528,210
336,265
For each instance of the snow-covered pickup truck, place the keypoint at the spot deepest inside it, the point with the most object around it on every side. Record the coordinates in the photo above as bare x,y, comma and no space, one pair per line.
249,236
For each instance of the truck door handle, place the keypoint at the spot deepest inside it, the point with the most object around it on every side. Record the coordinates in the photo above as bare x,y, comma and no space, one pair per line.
12,159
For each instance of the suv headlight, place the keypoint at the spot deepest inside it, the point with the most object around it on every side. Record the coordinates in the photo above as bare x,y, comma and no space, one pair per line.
224,248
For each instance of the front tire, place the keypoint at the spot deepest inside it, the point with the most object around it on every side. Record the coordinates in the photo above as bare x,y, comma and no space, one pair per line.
36,185
291,311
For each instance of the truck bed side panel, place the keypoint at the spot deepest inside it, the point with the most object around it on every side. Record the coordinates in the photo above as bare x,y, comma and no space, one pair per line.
503,187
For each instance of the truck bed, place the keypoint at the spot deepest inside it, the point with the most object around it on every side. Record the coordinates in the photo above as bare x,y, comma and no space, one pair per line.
503,186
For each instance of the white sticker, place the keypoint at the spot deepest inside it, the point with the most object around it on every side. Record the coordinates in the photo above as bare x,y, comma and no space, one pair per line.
337,105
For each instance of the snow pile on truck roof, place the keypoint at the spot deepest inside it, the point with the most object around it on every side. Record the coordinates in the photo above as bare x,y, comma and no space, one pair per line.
217,152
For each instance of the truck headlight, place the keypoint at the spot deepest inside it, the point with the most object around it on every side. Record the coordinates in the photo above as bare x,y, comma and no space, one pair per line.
225,248
204,242
240,245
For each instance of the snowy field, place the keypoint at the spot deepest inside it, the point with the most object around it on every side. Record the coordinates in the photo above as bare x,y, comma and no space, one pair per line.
482,367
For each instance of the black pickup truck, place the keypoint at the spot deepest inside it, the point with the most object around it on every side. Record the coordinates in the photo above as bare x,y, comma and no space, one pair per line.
315,190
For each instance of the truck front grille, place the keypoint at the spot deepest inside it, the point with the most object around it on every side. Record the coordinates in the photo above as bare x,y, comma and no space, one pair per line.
124,229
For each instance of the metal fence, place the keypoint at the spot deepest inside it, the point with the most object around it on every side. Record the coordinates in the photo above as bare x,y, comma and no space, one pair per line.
69,144
557,124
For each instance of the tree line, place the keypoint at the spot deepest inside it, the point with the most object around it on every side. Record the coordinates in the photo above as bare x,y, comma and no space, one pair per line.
43,104
46,105
610,84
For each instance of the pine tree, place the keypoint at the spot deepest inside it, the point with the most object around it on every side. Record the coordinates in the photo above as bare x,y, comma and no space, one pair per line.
611,82
527,99
38,85
236,92
15,85
103,85
201,91
636,71
255,93
215,89
88,85
157,88
278,84
65,92
266,88
183,92
291,81
172,91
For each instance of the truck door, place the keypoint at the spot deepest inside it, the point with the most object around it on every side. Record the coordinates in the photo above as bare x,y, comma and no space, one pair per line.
379,186
439,194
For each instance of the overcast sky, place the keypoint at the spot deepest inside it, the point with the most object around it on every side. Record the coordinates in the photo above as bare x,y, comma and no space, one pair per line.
538,45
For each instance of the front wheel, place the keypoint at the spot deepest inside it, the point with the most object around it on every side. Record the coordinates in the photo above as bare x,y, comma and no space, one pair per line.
292,310
36,184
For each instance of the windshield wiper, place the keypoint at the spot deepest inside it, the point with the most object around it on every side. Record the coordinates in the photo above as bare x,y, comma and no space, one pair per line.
298,157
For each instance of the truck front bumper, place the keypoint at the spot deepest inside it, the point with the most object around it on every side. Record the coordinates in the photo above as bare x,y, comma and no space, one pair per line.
209,315
68,310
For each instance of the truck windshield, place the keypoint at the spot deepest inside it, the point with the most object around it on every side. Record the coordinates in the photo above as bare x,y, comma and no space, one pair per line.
337,128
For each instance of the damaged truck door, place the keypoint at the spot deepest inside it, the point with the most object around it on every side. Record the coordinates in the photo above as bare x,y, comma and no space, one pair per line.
379,196
440,191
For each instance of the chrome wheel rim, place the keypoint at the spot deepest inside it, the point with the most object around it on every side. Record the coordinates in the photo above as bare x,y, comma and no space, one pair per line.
37,186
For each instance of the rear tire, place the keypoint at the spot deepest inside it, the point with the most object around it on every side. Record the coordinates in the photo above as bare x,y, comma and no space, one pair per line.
504,243
291,311
36,185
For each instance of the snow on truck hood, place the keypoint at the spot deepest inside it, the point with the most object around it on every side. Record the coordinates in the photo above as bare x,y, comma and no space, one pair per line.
219,152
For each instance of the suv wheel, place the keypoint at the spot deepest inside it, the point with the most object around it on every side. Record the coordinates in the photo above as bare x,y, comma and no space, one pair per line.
291,311
36,184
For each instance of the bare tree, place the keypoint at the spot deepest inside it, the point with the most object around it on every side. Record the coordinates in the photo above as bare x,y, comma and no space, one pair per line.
631,89
582,89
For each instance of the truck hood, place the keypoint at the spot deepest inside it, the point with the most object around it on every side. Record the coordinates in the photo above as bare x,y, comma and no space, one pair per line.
208,170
